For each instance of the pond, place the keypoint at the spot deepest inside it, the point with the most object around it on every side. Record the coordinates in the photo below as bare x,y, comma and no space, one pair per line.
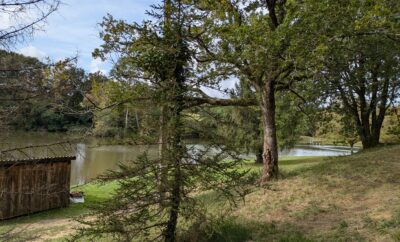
93,159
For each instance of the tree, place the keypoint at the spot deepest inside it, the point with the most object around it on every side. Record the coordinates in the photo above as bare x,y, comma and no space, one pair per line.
131,121
255,41
359,56
394,128
22,18
349,131
41,96
242,126
21,79
154,192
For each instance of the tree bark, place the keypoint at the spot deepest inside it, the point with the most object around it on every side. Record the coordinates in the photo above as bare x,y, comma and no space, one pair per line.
368,113
370,140
270,145
176,155
175,200
369,127
176,149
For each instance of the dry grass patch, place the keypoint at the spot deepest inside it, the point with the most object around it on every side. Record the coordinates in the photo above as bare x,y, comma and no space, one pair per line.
355,198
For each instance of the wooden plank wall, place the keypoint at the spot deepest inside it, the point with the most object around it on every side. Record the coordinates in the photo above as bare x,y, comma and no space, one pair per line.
32,187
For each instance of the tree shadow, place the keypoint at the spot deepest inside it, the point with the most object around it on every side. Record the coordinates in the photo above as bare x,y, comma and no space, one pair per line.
17,234
233,230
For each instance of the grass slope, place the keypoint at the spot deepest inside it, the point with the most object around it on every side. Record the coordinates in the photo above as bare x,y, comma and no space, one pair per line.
353,198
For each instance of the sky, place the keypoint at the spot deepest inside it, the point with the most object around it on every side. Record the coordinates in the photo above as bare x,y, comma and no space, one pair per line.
74,29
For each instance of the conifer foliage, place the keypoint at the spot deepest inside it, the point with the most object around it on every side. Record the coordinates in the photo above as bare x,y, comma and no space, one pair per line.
156,193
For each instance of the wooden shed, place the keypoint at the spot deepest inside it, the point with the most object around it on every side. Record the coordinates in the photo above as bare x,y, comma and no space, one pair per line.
33,185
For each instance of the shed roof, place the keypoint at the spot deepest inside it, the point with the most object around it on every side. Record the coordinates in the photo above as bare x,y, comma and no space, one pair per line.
37,160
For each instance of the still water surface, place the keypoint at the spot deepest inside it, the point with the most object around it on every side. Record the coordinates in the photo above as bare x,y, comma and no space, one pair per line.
93,158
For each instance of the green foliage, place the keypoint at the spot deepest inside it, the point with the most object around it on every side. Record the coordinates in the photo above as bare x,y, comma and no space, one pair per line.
137,212
394,123
337,128
40,96
123,113
356,59
292,119
275,48
349,130
242,127
156,195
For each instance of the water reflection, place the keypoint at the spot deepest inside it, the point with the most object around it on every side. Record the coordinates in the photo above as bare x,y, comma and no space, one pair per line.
317,150
92,161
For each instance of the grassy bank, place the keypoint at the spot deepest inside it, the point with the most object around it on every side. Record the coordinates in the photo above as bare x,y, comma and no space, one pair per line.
354,198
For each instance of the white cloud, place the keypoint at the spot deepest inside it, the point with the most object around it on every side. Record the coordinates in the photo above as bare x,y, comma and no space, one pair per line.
32,51
97,65
74,27
4,22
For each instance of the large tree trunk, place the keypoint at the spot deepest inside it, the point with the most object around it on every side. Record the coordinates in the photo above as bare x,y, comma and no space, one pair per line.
370,139
270,145
369,127
368,112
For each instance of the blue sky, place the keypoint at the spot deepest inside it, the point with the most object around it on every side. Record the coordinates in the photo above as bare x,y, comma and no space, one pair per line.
74,29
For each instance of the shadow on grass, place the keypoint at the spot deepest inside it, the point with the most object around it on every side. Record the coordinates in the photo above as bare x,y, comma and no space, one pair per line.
292,166
231,230
14,234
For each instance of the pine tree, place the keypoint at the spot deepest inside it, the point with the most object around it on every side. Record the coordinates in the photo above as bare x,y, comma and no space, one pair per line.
156,194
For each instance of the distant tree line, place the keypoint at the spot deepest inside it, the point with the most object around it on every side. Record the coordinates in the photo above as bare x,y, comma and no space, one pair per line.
39,96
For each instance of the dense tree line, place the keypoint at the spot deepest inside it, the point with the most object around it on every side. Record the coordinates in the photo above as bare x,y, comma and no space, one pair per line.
39,96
